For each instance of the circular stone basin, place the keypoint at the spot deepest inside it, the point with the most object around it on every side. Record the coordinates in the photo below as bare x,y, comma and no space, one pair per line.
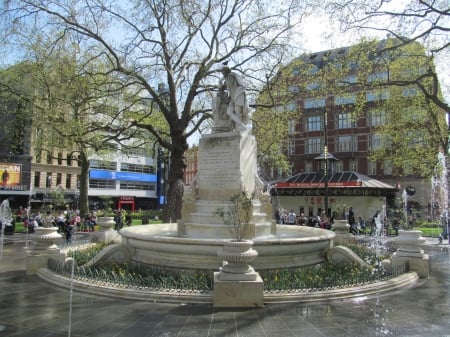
292,246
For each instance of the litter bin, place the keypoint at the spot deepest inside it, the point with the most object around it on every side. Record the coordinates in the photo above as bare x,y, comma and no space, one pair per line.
145,220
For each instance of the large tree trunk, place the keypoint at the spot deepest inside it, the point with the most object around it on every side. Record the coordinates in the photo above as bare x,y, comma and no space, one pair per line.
173,207
84,184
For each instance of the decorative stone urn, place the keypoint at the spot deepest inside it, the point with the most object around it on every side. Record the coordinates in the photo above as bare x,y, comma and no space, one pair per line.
237,255
107,232
105,223
341,227
410,252
409,243
46,237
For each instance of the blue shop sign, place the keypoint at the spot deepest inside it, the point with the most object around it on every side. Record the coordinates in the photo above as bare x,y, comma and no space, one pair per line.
128,176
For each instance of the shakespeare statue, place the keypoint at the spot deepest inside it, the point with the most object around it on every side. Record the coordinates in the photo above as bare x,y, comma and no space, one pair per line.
231,106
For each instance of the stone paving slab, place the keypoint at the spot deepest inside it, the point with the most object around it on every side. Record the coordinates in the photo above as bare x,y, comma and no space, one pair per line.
30,307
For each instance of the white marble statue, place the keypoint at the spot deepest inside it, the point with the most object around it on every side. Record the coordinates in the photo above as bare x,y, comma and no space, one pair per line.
231,108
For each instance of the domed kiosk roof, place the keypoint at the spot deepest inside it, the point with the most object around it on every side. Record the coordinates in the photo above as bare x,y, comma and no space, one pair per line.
339,183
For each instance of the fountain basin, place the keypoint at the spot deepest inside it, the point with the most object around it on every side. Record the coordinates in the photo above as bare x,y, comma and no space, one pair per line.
159,245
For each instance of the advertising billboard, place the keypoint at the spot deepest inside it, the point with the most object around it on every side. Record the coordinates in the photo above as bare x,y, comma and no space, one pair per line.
10,176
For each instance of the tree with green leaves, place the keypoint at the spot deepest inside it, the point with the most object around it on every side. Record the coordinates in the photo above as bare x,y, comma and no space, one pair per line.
63,97
180,44
426,22
412,128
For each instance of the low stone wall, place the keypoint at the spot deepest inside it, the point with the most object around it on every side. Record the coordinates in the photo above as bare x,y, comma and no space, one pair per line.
392,285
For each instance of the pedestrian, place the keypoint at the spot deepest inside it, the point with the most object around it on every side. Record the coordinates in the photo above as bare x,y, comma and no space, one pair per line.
291,218
69,232
118,220
128,219
361,225
60,222
351,221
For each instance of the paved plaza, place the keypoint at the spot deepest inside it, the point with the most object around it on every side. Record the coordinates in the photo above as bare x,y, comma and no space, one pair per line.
31,308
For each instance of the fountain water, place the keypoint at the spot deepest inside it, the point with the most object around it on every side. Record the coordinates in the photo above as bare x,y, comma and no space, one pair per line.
5,215
439,195
6,221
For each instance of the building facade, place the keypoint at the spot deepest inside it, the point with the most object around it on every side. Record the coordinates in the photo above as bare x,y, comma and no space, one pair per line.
341,116
127,179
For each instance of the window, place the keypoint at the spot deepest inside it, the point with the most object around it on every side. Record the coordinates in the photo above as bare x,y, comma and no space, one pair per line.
371,168
373,96
374,141
314,123
409,92
58,179
314,103
48,183
350,79
353,65
69,160
293,89
354,165
59,158
102,184
313,70
313,86
378,77
339,166
137,151
313,145
136,168
136,186
346,143
292,106
68,180
345,121
343,100
37,179
78,181
103,165
291,148
377,117
291,127
38,156
280,172
387,168
308,167
49,158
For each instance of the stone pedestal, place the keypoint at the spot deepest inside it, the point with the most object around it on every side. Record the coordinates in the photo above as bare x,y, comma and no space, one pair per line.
44,247
410,252
237,284
238,294
226,167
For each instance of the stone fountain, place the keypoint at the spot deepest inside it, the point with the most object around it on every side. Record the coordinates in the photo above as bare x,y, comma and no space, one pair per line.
226,166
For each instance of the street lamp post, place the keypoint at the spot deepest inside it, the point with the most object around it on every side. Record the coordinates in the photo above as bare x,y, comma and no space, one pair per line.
325,155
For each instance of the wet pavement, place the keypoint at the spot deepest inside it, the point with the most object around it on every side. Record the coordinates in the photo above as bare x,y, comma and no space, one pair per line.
30,307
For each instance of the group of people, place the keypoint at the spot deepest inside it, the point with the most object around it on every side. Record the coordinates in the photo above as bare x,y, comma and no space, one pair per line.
357,224
284,217
67,221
